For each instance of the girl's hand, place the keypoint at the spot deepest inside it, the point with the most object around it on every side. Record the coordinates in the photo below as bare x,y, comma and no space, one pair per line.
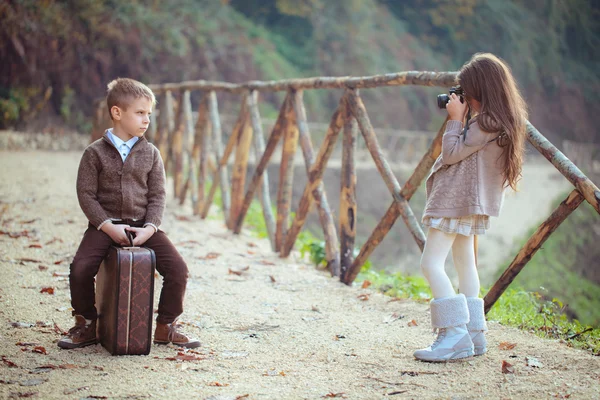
141,234
457,111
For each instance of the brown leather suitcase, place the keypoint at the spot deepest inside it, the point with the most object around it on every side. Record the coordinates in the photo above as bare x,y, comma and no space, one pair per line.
124,299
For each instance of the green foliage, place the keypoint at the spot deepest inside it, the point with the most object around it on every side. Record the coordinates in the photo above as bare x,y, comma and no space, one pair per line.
13,103
546,318
396,284
564,264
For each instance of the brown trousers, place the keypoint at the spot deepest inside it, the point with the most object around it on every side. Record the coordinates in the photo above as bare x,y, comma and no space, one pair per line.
92,250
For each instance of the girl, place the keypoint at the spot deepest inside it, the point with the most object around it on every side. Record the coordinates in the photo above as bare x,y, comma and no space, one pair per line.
466,187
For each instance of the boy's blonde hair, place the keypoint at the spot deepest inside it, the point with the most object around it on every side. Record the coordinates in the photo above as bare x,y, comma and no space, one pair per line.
122,91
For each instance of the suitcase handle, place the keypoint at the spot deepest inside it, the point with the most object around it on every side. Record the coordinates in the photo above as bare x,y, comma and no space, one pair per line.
130,237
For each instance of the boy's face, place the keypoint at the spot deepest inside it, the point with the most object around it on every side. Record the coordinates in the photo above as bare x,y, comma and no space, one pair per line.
134,121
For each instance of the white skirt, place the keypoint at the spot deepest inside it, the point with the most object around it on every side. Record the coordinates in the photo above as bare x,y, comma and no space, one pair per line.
474,224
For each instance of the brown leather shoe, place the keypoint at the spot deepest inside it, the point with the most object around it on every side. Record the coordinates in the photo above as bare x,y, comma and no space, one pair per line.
168,333
81,335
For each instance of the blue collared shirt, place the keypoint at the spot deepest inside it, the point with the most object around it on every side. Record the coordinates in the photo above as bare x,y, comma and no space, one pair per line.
123,147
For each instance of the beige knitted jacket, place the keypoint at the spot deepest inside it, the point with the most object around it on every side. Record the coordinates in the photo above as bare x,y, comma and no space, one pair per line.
108,188
467,177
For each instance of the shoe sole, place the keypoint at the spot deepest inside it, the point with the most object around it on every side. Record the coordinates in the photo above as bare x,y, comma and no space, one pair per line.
458,356
69,346
479,351
186,345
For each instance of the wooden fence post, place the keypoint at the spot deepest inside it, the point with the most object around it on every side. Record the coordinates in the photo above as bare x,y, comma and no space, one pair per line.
315,176
262,164
259,148
240,164
534,243
348,209
332,252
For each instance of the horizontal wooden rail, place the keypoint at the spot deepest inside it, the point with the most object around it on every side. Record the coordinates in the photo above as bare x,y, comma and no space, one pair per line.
421,78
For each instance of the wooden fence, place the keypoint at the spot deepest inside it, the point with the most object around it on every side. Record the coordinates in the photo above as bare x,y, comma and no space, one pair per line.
185,142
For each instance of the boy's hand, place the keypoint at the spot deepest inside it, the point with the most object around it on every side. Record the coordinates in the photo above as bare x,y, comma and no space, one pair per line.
141,234
116,233
457,110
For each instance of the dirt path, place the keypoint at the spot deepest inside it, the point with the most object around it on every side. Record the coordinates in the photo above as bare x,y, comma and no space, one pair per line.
279,330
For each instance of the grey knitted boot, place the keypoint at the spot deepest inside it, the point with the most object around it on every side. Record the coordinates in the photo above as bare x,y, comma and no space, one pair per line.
449,315
477,326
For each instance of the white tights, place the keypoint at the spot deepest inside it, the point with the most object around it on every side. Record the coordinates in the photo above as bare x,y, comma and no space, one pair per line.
436,250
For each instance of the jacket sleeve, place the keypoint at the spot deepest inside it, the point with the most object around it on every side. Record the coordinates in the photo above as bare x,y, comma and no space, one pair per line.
87,188
456,148
156,191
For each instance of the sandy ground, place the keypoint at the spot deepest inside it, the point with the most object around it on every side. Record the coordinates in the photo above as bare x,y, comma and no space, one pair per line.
280,330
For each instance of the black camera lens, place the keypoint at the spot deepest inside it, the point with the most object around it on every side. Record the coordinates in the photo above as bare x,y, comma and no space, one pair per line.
442,100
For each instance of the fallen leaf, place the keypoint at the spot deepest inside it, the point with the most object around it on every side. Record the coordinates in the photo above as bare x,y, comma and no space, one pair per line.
31,221
366,284
363,297
15,235
181,356
217,384
210,256
24,395
507,346
26,344
59,330
26,259
251,252
412,322
272,279
332,395
9,363
35,246
265,262
54,240
67,366
40,350
60,273
250,244
42,267
533,362
238,272
507,368
58,262
49,290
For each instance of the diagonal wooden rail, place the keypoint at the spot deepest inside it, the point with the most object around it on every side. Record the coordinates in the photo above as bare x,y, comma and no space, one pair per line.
190,149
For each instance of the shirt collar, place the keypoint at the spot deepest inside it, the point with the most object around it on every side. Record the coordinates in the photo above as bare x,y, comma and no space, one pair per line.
118,142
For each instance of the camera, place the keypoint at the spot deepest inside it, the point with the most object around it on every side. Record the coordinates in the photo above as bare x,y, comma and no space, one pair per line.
443,98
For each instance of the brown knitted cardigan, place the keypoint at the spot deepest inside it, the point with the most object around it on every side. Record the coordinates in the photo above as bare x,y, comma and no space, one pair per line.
467,178
108,188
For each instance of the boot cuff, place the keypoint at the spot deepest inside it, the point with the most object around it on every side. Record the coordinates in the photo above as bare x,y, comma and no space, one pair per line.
476,314
449,311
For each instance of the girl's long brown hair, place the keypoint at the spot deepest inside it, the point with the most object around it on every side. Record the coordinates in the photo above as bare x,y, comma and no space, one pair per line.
489,80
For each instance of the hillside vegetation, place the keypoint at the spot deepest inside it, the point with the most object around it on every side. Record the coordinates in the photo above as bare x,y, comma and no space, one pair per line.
59,55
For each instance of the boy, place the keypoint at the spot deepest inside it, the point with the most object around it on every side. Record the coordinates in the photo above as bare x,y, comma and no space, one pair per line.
121,187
